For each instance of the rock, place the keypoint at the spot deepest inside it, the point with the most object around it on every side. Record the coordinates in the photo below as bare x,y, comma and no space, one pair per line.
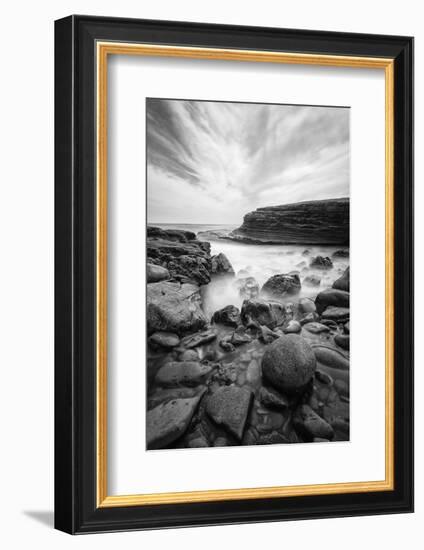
347,327
168,421
306,252
341,254
343,283
282,285
273,438
309,222
343,341
164,339
189,355
331,297
229,406
339,314
186,373
163,395
226,346
321,262
316,328
198,339
308,423
292,327
267,335
221,265
221,442
174,307
306,305
229,316
260,312
323,377
248,288
309,318
198,442
330,356
272,399
253,373
156,273
240,337
289,363
312,280
320,440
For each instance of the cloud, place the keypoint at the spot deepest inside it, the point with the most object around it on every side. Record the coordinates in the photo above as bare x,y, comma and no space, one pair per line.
212,162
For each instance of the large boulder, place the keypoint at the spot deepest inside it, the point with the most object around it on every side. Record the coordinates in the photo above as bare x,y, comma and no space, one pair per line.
331,297
174,307
261,312
343,282
289,363
168,421
228,315
282,285
229,406
156,273
185,373
221,265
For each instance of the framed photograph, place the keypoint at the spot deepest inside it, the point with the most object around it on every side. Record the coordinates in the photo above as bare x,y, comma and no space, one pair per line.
234,274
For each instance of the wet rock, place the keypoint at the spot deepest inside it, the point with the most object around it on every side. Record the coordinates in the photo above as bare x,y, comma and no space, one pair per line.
282,285
272,399
289,363
229,406
248,288
316,328
311,280
342,340
168,421
227,346
156,273
343,283
323,377
338,314
221,265
187,373
341,254
309,424
330,356
164,339
174,307
331,297
267,335
321,262
198,339
309,318
292,327
240,337
306,305
260,312
229,316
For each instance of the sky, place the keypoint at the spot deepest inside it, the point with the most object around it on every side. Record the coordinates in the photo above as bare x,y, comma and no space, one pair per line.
213,162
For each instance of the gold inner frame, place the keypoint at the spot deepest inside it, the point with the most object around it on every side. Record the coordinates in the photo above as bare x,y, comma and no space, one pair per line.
103,50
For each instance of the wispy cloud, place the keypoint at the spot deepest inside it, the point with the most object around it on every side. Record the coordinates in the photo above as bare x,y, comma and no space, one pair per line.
212,162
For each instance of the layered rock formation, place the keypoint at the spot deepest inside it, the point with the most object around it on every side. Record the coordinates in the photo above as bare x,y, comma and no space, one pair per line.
312,222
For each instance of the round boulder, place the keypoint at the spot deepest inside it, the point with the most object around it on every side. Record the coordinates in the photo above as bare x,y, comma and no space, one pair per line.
289,363
282,285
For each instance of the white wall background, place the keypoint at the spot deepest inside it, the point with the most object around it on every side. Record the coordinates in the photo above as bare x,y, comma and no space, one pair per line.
26,273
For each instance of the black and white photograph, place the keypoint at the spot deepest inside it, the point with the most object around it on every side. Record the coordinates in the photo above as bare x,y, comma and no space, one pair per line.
247,274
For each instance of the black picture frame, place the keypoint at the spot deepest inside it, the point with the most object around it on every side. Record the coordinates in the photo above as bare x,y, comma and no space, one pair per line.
76,510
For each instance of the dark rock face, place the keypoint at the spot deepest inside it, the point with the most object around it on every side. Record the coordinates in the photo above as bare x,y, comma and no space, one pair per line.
281,285
289,363
185,258
228,315
174,307
343,282
321,222
229,407
221,265
331,297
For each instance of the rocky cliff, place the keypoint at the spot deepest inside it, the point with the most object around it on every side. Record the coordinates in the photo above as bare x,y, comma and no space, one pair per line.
310,222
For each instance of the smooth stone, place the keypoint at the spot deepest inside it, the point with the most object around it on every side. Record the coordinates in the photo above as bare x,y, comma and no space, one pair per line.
342,340
289,363
189,355
331,357
164,339
156,273
229,316
306,305
343,282
167,394
267,335
168,421
323,377
187,373
262,312
174,307
292,327
316,328
308,423
221,265
229,406
309,318
336,313
272,399
198,339
282,285
331,297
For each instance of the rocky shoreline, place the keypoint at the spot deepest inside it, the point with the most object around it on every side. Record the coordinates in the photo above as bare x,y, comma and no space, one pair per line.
275,370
